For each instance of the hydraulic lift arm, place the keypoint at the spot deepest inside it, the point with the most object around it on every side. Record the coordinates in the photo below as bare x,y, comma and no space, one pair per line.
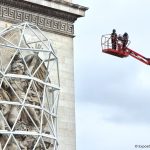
138,56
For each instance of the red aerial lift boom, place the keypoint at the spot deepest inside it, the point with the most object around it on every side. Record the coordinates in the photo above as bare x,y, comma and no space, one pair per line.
119,52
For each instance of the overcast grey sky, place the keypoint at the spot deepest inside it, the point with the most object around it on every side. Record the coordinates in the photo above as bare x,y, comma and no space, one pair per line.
112,94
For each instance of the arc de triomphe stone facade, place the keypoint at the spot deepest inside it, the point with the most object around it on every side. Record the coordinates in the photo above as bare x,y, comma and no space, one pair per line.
56,19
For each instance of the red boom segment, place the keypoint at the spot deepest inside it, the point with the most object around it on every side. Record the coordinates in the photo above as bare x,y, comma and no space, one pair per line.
138,56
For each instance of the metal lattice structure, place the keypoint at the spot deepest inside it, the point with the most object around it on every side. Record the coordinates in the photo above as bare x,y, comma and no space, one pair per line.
29,89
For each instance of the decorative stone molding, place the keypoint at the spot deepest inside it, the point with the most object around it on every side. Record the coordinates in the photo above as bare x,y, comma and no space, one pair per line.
52,24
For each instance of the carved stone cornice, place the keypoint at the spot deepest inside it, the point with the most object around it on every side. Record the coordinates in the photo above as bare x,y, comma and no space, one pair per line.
46,18
62,5
15,15
69,4
39,9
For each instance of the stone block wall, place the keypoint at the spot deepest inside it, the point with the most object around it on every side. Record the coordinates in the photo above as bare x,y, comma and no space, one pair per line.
66,110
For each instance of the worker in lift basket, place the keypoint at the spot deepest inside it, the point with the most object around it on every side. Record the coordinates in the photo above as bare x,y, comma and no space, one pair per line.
114,39
125,40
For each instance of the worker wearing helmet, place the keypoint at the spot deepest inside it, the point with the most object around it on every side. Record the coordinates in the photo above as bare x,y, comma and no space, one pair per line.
114,39
125,40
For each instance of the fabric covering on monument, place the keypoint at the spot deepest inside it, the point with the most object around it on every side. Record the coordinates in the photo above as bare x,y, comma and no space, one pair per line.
29,89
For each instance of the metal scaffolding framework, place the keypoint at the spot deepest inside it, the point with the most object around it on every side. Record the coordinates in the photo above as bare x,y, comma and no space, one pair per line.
28,97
